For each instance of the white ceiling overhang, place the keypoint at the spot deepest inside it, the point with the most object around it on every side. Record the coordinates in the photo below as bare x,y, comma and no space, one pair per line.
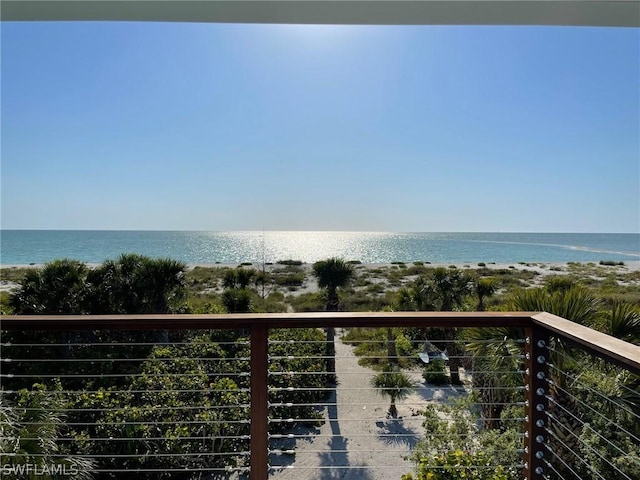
617,13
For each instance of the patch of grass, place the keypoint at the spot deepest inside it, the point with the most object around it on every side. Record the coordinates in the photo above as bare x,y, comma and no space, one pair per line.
370,343
13,274
307,302
629,277
362,301
556,283
375,288
290,279
205,303
628,294
199,278
417,270
273,303
5,309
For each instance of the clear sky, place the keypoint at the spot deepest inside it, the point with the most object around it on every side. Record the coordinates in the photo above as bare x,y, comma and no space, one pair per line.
269,127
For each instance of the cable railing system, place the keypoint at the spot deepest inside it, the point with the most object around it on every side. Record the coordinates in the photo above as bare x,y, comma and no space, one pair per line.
317,396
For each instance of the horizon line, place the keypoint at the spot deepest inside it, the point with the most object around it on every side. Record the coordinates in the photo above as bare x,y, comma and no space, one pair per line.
307,231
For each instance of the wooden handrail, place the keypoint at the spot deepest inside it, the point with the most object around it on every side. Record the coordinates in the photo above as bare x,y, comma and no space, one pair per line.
605,346
270,320
536,326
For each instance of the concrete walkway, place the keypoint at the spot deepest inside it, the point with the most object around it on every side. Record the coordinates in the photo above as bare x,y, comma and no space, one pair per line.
357,433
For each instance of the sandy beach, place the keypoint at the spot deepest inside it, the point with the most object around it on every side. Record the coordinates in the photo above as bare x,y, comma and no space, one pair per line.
375,271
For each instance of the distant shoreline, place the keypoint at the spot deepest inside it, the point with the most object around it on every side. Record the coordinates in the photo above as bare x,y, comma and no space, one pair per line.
541,269
632,265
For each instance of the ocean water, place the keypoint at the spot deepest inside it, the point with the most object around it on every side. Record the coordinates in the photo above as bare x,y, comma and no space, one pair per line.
39,246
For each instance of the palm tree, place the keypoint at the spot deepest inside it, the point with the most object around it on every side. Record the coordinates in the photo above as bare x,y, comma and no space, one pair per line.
449,288
56,288
623,322
496,353
237,300
394,384
239,278
483,288
578,305
137,284
332,274
163,283
237,296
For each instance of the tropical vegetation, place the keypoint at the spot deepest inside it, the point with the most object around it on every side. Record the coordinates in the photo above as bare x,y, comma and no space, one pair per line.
593,406
395,385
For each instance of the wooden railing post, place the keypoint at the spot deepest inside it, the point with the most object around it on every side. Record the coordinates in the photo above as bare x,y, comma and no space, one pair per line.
259,402
537,356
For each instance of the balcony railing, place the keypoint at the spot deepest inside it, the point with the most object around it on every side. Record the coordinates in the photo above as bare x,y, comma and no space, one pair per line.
236,383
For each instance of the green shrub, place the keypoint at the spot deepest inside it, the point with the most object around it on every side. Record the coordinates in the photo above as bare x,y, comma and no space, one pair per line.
296,350
482,264
307,302
295,279
435,373
375,288
404,346
457,465
556,283
611,263
456,448
290,262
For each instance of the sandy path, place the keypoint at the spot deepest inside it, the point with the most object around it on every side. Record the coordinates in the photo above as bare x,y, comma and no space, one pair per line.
357,433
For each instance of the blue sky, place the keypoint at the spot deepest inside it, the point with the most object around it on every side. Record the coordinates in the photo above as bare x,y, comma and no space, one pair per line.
270,127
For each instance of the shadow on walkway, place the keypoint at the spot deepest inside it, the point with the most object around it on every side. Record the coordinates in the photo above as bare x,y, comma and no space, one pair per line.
394,433
338,455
